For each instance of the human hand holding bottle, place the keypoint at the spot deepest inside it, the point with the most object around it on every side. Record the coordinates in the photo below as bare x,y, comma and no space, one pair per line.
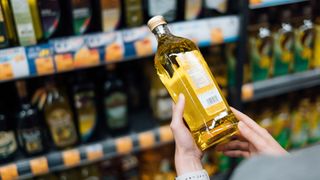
252,140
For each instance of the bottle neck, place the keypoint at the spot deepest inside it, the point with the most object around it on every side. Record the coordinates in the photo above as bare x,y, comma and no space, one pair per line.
161,31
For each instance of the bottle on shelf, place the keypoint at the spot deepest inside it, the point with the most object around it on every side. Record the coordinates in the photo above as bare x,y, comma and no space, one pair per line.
304,40
283,46
8,20
316,51
260,51
30,132
4,38
160,100
281,124
183,70
168,9
132,12
110,14
51,19
70,174
8,143
115,102
215,8
133,91
85,108
90,172
59,117
192,9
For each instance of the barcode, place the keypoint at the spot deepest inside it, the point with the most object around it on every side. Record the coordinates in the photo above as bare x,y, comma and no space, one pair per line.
212,100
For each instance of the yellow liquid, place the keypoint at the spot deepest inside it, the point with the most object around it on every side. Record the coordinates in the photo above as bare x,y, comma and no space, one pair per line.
182,69
36,18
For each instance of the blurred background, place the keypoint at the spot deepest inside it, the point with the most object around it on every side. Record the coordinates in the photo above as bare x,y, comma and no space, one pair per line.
80,98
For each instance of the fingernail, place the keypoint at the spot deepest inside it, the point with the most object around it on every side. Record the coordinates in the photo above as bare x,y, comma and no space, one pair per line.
180,96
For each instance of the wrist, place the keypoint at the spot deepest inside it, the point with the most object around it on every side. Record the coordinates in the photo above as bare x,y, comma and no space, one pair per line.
187,163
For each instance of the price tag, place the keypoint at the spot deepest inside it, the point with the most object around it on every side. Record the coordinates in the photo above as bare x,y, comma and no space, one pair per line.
71,157
6,71
216,35
143,47
64,62
9,172
39,166
85,57
146,139
94,152
44,65
165,134
247,92
255,2
124,145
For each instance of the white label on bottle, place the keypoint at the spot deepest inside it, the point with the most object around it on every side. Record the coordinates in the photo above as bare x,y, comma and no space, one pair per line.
163,7
8,144
196,72
210,98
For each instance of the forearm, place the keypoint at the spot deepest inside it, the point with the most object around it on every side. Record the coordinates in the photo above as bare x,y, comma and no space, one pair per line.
186,164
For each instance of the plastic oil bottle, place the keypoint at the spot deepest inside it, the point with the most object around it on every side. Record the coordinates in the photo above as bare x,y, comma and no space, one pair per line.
182,69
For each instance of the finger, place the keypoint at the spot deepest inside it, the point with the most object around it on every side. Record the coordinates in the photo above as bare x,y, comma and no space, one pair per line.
237,153
234,145
252,136
249,122
177,114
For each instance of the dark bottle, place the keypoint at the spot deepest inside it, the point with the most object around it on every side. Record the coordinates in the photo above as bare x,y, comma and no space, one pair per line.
50,15
59,117
115,102
8,144
29,131
85,107
4,38
168,9
133,12
133,91
215,7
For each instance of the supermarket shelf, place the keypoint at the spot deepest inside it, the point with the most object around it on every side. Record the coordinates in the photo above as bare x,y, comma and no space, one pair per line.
77,52
85,154
280,85
269,3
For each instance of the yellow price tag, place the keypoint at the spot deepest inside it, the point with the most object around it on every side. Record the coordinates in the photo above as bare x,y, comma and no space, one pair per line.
44,65
64,62
165,134
6,71
71,157
94,152
146,139
39,166
216,35
124,145
9,172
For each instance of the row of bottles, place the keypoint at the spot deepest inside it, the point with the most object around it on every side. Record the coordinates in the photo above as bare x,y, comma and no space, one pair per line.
282,41
293,122
26,22
150,164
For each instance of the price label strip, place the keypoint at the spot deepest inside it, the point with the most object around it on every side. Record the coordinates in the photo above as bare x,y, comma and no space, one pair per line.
6,71
9,172
124,145
39,166
71,157
165,134
44,65
146,139
94,152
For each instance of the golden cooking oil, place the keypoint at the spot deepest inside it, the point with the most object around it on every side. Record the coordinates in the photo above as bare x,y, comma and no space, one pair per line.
182,69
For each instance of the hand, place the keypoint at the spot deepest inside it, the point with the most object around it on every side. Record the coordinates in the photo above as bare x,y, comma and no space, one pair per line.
253,139
187,154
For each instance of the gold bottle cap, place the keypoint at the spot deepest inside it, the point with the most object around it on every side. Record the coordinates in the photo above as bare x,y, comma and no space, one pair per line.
156,21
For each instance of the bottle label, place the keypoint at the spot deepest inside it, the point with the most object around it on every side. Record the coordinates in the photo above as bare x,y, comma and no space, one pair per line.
116,110
219,5
23,21
30,140
201,81
8,144
81,16
192,9
168,9
50,16
62,128
134,16
111,13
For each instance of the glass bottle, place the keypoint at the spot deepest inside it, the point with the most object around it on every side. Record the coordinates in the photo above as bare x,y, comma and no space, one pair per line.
4,38
81,16
133,12
59,118
192,9
183,70
215,7
30,133
168,9
9,21
50,15
110,14
115,102
85,107
8,143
